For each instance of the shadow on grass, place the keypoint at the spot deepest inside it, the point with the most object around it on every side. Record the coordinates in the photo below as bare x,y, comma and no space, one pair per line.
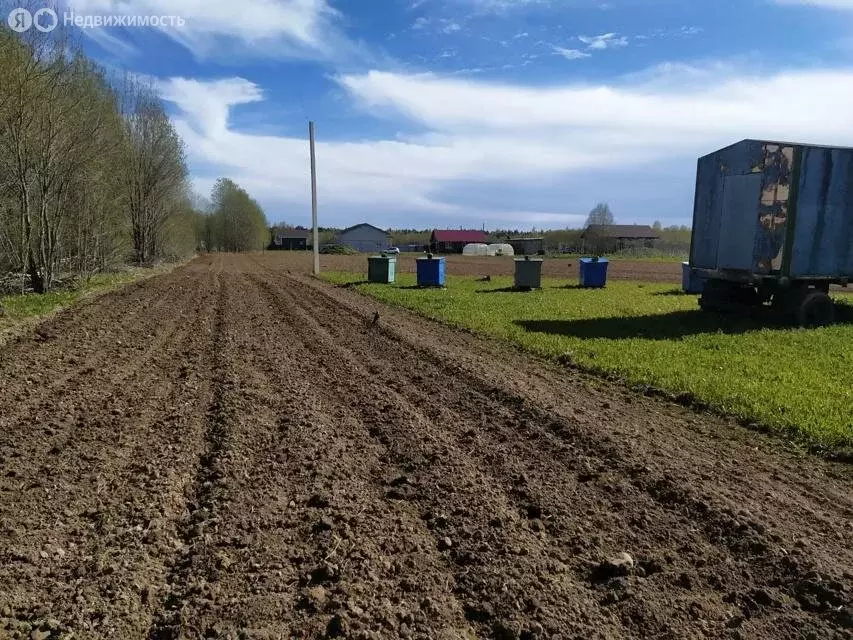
671,326
674,292
505,290
351,285
415,287
667,326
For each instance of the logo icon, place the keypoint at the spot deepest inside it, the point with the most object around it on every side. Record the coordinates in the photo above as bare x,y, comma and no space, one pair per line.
45,20
20,20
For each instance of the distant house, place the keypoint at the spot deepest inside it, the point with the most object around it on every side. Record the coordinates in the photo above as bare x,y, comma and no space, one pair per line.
620,236
365,237
292,239
453,241
526,246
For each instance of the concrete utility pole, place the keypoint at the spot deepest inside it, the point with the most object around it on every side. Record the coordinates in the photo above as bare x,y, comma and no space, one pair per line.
314,200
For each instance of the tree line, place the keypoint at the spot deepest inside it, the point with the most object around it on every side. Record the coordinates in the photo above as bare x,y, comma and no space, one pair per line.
673,240
93,173
236,222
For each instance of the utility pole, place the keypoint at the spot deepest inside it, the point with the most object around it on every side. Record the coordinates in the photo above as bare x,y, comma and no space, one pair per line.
314,200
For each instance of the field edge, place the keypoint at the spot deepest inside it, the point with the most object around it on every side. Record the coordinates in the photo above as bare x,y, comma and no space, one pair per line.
22,318
787,435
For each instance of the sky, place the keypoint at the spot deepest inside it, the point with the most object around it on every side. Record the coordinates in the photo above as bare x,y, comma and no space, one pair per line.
513,114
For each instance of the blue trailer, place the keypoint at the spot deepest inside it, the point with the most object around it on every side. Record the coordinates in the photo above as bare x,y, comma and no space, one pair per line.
773,223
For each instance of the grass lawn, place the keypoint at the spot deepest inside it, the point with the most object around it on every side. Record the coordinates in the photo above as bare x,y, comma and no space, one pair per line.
789,379
27,309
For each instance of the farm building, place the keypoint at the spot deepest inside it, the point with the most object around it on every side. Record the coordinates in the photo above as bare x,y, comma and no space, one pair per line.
292,239
613,237
365,237
527,246
454,241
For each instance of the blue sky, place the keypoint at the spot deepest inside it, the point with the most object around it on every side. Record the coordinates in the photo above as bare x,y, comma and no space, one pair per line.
503,113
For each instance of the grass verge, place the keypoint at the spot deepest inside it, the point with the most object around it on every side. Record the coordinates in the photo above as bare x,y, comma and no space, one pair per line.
788,379
23,311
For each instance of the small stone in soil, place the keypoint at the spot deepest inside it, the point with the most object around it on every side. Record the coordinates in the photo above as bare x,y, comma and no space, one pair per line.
619,565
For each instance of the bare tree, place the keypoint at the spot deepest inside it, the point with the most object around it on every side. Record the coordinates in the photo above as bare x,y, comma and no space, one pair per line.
155,169
87,172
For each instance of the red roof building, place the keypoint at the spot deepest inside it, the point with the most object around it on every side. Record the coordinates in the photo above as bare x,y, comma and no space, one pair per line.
454,240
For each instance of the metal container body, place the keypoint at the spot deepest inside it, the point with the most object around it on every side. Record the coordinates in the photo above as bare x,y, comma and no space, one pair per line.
528,274
381,269
822,243
431,272
770,209
593,273
692,281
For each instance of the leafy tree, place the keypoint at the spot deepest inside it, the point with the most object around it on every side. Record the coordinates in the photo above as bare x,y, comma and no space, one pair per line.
600,215
238,222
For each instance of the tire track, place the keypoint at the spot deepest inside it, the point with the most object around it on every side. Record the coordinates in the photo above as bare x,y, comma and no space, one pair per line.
206,492
316,548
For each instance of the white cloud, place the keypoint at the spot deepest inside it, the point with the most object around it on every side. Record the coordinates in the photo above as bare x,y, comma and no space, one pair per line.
224,28
604,41
439,25
503,5
571,54
526,134
207,105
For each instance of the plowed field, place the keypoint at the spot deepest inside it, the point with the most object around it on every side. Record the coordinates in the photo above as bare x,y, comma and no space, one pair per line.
235,450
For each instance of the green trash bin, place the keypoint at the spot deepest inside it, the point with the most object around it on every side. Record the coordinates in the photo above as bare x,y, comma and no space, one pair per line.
528,273
381,269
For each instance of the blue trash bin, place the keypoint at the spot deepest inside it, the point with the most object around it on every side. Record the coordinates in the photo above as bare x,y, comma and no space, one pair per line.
593,272
431,272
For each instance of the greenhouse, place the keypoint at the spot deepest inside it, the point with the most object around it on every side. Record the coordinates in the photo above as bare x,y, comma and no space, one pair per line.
501,250
476,249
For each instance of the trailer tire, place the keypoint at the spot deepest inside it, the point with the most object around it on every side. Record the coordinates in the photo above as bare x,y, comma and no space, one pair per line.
816,310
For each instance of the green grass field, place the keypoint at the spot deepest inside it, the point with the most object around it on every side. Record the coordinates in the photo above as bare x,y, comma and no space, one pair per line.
23,310
792,380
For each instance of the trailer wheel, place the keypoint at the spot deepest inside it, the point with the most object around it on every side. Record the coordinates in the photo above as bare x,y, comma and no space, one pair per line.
816,310
715,295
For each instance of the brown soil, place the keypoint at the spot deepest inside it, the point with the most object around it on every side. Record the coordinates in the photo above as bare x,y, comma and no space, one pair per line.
237,451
